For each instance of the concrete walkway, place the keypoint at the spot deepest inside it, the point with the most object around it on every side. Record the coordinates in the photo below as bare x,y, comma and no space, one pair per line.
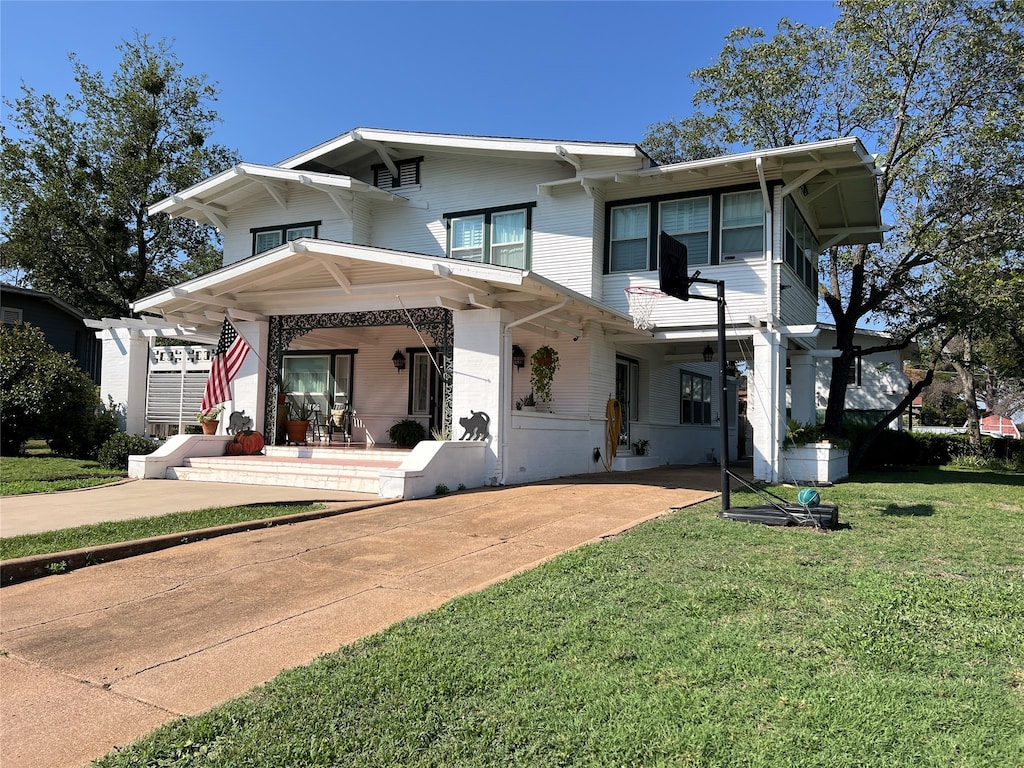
100,656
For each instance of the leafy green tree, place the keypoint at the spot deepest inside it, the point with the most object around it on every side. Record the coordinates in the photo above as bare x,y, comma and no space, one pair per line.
77,177
43,393
935,85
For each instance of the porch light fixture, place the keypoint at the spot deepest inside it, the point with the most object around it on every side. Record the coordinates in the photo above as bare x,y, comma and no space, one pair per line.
709,354
398,360
518,356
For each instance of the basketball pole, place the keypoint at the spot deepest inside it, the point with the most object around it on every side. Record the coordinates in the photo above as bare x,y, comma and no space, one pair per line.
723,372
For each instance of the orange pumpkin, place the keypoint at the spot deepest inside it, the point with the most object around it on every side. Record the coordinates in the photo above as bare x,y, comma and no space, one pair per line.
234,449
252,442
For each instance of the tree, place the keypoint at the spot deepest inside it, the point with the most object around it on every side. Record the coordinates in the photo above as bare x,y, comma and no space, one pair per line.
934,85
76,179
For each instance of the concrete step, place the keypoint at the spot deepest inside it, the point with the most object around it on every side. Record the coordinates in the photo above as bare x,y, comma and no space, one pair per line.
326,469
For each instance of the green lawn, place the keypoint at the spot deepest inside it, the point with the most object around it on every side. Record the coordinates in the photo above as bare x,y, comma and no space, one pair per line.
689,641
41,474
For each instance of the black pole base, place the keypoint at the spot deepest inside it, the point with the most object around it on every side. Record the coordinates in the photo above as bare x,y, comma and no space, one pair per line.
821,516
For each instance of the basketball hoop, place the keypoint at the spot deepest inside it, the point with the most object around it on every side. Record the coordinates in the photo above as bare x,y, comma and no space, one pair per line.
641,304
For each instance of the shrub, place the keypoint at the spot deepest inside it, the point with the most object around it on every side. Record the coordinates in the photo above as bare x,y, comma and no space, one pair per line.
43,393
115,452
406,433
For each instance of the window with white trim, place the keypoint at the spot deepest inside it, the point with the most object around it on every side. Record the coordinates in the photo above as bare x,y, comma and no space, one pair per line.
801,246
742,226
630,230
498,236
689,222
694,398
266,238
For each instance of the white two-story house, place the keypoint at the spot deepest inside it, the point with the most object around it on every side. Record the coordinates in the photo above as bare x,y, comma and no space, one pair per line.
398,272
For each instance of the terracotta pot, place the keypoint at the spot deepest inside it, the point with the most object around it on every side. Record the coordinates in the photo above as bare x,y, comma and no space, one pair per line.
210,426
296,430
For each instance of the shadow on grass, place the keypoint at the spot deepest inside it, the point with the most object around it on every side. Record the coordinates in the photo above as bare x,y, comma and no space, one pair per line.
909,510
937,476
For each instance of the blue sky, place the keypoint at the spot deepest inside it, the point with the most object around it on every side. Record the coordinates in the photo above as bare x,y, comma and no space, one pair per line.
294,74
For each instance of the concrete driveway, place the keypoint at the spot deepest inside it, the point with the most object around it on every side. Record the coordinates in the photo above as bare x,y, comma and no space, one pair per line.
98,657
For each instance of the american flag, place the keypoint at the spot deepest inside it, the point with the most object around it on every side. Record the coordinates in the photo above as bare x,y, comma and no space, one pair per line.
227,359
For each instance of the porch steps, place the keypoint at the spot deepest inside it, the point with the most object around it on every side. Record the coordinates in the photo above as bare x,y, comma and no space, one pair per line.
336,469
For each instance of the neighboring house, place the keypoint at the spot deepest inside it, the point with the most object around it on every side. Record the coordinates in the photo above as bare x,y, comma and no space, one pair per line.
347,263
876,382
62,324
999,426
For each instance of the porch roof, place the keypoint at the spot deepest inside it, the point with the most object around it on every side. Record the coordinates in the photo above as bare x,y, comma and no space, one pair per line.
309,276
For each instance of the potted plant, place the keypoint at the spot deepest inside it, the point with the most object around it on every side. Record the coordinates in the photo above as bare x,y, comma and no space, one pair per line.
527,403
298,422
208,419
543,364
406,433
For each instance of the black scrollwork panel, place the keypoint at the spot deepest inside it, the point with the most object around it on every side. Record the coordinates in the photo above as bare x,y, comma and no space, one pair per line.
435,322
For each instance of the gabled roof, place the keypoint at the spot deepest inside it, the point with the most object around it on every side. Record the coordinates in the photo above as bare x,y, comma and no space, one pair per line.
49,298
832,182
212,200
389,144
309,276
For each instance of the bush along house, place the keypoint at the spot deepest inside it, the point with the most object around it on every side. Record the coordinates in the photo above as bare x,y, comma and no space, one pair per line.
411,277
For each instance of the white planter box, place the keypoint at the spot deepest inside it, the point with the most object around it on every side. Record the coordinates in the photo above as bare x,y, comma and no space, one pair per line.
814,463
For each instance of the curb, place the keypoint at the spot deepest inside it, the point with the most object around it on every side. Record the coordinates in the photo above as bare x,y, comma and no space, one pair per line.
22,569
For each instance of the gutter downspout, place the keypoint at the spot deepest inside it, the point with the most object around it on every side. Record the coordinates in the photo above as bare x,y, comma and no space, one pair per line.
506,379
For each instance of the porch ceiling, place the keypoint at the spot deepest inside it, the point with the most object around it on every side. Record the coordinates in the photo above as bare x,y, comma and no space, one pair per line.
310,276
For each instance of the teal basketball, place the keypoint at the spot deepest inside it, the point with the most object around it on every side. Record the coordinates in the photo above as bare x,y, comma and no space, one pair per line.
808,497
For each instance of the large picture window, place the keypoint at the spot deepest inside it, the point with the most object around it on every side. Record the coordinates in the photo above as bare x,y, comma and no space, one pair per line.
694,398
266,238
498,236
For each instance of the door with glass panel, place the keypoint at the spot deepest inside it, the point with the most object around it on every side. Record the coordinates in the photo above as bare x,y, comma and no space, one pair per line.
426,393
627,385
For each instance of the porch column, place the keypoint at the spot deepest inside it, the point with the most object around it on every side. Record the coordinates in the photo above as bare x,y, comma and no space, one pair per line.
766,402
480,358
803,404
125,368
250,385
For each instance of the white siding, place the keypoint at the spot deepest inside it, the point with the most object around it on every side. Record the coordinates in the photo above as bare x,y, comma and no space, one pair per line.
303,205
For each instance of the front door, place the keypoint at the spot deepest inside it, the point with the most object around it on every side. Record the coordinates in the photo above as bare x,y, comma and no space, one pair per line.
426,394
627,384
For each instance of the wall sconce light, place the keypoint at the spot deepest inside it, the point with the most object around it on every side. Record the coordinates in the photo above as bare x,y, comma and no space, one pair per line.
709,354
518,356
398,359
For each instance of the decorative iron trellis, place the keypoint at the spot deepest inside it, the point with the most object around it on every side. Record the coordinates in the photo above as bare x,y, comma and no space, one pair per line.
435,322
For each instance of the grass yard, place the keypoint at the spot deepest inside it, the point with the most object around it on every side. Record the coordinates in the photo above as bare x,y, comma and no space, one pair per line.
689,641
115,532
41,474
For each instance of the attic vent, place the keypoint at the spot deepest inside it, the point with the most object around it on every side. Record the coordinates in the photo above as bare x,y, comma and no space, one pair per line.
11,315
408,174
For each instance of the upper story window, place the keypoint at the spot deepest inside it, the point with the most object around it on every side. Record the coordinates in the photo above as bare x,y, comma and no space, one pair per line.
408,174
689,222
716,227
265,238
499,236
801,247
742,226
630,232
